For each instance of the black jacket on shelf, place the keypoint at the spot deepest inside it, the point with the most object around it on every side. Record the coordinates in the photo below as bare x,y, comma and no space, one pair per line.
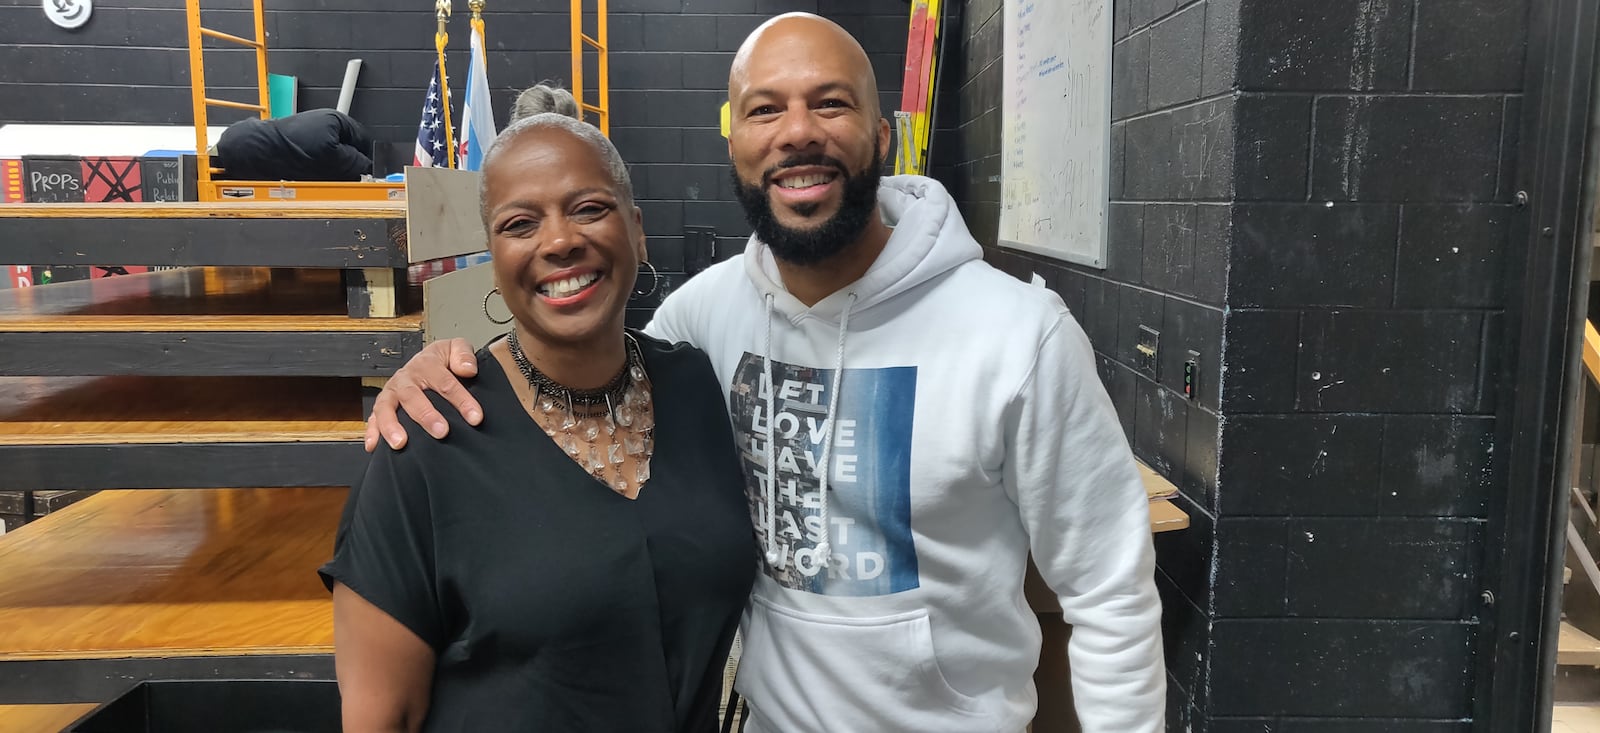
315,145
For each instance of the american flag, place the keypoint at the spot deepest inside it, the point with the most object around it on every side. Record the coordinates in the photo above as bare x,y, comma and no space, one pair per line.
432,150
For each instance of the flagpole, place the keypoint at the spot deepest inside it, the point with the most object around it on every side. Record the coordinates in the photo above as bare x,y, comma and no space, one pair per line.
477,19
440,40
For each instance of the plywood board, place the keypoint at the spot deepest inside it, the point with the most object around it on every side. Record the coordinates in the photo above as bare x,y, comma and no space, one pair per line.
454,304
442,213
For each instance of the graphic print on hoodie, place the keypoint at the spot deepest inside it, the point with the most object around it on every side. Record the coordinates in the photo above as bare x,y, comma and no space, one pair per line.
869,514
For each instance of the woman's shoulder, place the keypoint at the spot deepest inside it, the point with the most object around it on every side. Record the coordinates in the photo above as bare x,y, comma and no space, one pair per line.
489,386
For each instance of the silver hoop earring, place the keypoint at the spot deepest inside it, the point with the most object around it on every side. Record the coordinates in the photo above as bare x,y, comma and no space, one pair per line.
655,281
486,298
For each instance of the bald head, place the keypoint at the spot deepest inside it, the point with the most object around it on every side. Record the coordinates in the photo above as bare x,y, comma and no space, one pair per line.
801,40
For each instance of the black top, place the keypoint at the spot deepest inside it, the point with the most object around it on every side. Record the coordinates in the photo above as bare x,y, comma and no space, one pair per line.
552,602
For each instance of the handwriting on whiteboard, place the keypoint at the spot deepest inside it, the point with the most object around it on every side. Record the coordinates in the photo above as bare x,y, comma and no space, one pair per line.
1056,131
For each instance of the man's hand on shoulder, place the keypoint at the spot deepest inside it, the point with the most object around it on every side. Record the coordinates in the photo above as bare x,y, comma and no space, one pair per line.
438,367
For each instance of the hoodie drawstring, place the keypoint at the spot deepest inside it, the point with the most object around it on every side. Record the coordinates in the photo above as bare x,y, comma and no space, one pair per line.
771,520
824,548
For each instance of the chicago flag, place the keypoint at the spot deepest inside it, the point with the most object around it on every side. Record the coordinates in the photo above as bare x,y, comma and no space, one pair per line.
477,118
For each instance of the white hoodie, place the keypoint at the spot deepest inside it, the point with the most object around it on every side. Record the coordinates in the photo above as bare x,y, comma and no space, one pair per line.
968,427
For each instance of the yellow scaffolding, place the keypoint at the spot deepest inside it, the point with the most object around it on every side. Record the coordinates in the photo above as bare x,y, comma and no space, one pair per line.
599,42
213,189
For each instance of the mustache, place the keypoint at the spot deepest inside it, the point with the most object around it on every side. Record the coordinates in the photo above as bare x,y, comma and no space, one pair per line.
804,159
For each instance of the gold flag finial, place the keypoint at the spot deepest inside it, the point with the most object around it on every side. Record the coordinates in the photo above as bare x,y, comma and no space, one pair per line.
477,9
442,9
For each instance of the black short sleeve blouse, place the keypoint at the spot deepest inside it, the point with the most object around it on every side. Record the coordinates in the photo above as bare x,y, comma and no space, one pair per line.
552,603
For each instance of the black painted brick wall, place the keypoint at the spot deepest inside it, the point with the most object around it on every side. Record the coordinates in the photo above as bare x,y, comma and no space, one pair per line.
669,73
1172,176
1314,196
1366,288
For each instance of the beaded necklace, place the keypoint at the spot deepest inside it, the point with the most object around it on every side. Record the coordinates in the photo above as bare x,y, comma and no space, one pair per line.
615,420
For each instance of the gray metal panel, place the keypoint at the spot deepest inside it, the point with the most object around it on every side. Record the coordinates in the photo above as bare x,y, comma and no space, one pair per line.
442,213
180,465
98,680
206,353
454,304
263,242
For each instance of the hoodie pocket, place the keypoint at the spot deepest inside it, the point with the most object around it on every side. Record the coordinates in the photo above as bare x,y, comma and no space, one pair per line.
807,672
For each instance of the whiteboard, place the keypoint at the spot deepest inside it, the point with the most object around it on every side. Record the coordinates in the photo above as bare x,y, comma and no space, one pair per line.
1055,158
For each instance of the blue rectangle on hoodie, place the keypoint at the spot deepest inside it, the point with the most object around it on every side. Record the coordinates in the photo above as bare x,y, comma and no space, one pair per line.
869,488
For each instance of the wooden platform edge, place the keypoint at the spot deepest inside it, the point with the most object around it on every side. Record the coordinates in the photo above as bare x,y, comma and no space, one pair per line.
193,324
175,652
360,240
182,466
98,680
207,353
209,210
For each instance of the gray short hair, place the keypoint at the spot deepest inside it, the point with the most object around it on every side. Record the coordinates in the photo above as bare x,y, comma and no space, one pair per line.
544,97
615,167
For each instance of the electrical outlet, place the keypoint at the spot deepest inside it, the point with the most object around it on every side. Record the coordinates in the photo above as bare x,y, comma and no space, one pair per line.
1149,349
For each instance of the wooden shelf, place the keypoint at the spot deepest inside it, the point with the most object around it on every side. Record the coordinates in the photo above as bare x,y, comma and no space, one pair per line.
1576,648
1167,517
1156,486
158,432
166,576
200,321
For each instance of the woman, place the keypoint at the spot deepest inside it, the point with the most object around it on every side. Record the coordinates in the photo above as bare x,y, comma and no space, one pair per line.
578,563
544,97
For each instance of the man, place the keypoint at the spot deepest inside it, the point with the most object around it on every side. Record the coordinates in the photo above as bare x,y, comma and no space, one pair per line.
957,412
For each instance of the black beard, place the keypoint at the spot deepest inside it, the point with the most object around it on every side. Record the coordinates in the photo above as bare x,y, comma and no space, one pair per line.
818,243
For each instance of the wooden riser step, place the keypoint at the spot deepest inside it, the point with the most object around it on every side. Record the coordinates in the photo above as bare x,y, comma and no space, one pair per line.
200,321
286,234
41,718
157,432
130,585
439,218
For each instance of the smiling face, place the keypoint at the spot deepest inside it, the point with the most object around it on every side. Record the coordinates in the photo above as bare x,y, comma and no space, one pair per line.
565,240
806,138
